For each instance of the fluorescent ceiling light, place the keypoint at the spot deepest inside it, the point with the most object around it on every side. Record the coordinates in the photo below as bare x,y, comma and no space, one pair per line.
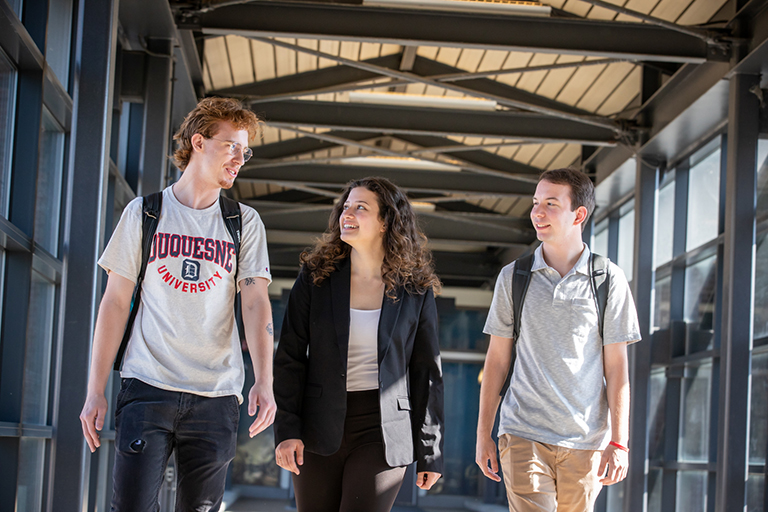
401,162
473,6
416,100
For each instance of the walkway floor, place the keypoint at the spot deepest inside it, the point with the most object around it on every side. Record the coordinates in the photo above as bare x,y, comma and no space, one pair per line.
263,505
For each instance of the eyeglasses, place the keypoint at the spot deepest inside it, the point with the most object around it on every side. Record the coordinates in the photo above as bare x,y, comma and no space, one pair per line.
235,148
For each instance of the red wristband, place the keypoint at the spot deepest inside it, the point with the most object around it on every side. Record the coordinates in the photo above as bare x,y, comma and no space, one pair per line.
620,447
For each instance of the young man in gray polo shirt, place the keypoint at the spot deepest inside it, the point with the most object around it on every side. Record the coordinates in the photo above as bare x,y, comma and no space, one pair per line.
558,444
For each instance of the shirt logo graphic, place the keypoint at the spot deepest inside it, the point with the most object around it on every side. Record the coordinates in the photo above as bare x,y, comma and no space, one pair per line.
190,270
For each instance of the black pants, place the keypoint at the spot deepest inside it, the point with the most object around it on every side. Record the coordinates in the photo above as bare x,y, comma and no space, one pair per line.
149,423
356,478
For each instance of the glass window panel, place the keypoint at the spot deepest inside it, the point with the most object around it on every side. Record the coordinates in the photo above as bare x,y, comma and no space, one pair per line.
16,6
615,496
755,493
49,178
7,102
700,285
762,179
461,329
662,303
37,360
657,418
665,214
626,243
462,403
600,240
703,196
30,480
761,286
654,490
758,417
691,491
693,444
59,38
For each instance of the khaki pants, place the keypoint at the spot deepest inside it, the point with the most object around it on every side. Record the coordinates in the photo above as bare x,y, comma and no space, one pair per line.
547,478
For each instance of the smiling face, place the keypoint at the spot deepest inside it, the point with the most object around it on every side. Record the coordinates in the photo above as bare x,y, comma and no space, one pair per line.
359,222
218,164
552,216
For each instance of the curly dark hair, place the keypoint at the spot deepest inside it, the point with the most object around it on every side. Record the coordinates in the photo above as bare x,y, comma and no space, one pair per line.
407,261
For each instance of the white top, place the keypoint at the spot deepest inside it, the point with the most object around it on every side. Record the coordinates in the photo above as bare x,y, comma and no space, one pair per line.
557,392
363,353
184,337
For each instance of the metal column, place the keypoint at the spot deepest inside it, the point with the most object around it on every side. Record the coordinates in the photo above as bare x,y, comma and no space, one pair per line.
738,263
157,117
646,183
83,240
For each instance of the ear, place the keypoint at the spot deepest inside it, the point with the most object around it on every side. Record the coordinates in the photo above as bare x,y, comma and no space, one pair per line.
581,215
197,142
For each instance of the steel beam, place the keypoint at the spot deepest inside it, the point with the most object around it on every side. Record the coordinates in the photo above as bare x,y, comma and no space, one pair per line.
430,121
440,182
83,238
417,27
738,266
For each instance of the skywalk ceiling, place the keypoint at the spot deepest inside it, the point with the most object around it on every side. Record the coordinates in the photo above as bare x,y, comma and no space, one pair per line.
524,94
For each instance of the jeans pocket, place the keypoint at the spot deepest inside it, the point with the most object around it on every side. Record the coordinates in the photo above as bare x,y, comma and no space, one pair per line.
234,410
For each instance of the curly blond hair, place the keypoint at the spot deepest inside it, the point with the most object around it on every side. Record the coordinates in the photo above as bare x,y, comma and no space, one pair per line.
407,261
205,118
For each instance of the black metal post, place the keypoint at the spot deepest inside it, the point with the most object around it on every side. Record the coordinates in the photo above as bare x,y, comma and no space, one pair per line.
738,261
83,239
646,183
157,117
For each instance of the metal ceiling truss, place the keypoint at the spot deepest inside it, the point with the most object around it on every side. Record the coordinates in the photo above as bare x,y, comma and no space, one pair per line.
638,41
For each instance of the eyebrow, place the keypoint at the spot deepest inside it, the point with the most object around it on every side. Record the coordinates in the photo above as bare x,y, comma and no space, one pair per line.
548,199
358,201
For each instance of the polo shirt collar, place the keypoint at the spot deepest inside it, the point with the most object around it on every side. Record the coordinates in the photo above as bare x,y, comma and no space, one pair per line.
582,265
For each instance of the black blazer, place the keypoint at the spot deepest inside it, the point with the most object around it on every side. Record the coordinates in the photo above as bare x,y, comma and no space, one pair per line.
311,366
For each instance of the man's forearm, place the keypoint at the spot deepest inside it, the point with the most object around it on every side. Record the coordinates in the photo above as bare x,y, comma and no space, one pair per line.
617,392
495,370
107,335
259,336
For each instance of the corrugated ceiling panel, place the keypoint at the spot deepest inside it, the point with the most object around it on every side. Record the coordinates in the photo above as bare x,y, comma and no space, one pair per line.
218,63
556,79
700,11
470,59
547,154
369,51
448,55
527,152
350,49
240,59
623,94
670,10
581,81
429,52
492,59
285,59
567,156
206,76
390,49
270,135
331,48
577,7
604,85
508,151
531,81
305,61
263,60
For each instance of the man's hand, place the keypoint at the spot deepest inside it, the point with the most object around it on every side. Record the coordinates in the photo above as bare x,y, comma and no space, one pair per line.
290,455
92,419
485,452
426,479
616,461
261,399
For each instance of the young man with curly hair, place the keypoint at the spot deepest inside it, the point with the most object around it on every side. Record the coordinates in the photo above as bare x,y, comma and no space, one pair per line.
558,443
182,372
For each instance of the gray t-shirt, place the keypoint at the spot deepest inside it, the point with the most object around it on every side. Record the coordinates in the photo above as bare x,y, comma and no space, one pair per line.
557,392
184,337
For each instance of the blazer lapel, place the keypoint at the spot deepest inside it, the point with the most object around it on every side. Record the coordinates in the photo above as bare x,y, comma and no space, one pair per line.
390,310
340,304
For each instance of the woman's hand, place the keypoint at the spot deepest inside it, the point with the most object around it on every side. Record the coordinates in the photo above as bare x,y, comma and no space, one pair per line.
290,455
426,479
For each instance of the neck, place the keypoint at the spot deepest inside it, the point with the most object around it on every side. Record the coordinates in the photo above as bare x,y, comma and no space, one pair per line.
563,257
193,192
367,262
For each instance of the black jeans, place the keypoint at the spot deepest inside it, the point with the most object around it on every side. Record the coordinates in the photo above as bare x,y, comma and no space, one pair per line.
149,424
356,478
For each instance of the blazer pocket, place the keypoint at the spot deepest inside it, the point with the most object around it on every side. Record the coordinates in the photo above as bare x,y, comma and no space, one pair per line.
403,404
313,391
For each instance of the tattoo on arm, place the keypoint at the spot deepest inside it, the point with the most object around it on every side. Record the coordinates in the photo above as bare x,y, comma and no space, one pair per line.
249,281
270,331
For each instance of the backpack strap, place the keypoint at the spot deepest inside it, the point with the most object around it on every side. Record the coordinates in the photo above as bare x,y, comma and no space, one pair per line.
520,281
152,206
230,211
600,279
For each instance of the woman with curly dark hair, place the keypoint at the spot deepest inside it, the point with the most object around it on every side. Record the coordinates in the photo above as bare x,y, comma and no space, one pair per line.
358,381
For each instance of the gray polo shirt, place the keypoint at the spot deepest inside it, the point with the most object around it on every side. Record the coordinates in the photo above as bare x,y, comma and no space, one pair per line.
557,392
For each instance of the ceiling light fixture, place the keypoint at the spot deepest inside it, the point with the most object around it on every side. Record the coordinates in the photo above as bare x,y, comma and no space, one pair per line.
473,6
416,100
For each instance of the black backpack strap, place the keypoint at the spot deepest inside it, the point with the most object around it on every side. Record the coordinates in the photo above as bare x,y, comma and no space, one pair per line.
230,212
520,281
152,205
600,279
